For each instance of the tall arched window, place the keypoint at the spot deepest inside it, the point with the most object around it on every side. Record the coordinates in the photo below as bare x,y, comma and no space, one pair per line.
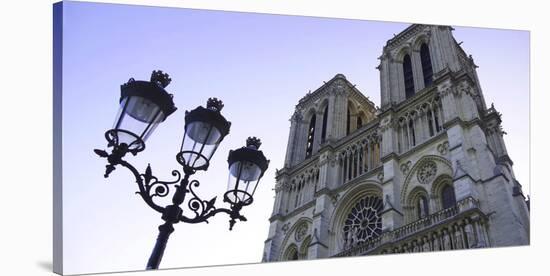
350,166
291,253
355,157
422,207
324,130
408,76
310,136
345,170
359,122
426,61
430,122
293,256
448,199
348,122
296,196
411,131
436,121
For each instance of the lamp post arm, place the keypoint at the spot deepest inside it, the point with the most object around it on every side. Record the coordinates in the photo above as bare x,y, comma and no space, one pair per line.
233,214
145,188
204,209
149,186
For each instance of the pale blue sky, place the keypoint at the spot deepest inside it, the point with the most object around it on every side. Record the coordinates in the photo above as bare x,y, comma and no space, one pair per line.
260,65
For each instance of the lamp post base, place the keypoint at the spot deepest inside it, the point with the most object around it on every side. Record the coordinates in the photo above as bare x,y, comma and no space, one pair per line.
156,256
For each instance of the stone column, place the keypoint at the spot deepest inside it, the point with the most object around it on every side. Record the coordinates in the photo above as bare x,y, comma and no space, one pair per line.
300,142
290,151
391,179
418,75
273,241
435,51
331,118
470,235
318,247
318,131
384,81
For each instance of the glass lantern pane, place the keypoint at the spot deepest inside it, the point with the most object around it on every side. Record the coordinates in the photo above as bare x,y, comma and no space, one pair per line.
136,119
199,144
143,110
203,133
242,182
245,171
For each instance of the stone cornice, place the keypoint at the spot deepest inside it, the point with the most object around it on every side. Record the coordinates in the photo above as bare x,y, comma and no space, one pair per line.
432,141
372,127
294,212
318,93
298,168
405,35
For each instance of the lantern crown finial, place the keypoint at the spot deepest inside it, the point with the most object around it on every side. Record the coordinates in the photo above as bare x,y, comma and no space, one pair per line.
162,79
214,104
253,142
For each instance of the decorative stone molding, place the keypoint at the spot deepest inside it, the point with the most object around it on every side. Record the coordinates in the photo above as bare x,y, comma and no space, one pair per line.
443,148
334,198
380,176
285,227
405,167
404,36
386,123
297,116
301,232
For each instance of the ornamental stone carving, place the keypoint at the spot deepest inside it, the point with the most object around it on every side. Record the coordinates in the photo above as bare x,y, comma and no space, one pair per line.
285,227
405,167
443,148
427,172
380,176
301,232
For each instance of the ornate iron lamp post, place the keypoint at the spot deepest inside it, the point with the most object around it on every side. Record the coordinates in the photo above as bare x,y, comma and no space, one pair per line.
144,105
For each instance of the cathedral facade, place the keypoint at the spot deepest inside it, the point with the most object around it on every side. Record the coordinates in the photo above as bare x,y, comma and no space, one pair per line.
427,171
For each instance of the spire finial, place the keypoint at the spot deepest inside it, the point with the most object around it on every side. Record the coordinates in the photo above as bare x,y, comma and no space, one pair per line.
253,142
214,104
160,78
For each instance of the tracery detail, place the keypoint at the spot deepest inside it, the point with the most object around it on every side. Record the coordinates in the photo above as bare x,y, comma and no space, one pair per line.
301,232
427,172
363,222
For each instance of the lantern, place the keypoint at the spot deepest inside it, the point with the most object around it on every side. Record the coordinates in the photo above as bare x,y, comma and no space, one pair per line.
143,105
205,128
246,167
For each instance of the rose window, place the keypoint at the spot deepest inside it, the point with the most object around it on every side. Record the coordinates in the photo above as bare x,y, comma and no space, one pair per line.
363,222
427,172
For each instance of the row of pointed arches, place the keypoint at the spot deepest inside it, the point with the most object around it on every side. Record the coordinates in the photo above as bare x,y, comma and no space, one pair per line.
360,158
301,189
355,119
419,124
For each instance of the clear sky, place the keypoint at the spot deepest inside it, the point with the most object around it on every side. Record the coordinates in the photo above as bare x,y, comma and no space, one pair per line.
260,65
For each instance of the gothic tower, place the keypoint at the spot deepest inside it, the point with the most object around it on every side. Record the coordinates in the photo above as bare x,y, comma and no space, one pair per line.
427,171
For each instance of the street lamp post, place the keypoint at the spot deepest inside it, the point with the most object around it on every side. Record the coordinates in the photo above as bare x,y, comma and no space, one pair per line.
144,105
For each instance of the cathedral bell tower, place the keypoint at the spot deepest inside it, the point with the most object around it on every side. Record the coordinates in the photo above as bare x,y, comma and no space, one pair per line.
430,89
321,118
427,171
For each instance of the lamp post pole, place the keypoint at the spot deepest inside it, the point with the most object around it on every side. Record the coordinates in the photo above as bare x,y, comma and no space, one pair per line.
147,104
